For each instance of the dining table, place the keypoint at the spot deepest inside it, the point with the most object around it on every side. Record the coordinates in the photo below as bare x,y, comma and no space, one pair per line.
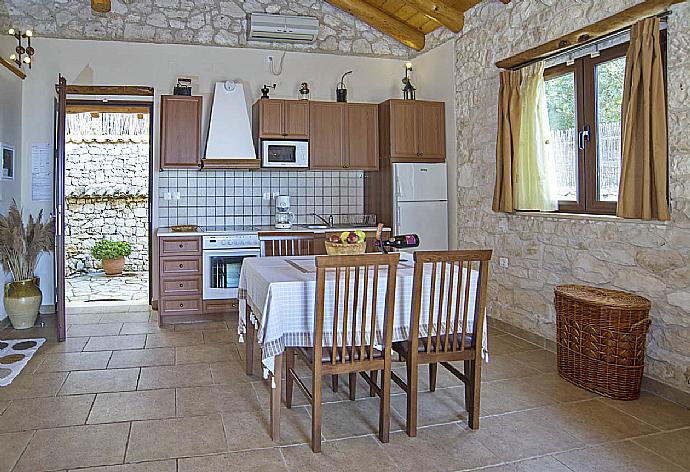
277,297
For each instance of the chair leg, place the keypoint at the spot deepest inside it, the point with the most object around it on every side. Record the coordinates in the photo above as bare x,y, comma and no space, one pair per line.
433,369
316,414
352,384
373,375
385,402
289,365
412,387
468,391
476,380
334,383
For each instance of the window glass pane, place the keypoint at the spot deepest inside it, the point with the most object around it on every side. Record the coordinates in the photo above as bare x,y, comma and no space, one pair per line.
560,98
609,96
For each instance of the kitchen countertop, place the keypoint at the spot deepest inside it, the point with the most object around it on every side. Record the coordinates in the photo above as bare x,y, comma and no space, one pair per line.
295,229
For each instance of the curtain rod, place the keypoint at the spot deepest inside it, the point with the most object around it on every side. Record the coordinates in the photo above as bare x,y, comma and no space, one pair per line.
663,16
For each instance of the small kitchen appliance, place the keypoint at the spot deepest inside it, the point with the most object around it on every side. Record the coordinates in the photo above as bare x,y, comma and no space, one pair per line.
283,154
284,217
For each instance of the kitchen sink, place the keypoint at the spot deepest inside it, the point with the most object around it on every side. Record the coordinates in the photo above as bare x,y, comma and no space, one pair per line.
317,226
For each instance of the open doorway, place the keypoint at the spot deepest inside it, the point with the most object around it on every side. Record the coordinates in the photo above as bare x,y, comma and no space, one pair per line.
107,203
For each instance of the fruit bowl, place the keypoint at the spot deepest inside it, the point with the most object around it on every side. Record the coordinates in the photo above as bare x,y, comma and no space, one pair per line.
345,249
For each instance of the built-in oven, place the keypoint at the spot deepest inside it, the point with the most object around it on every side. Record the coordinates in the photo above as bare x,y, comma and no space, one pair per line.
285,154
223,256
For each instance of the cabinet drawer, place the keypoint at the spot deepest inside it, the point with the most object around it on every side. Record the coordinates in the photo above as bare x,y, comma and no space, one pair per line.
180,246
181,286
172,266
181,306
221,306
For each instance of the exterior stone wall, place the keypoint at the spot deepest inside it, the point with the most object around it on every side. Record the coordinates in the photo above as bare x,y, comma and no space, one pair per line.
207,22
107,198
648,258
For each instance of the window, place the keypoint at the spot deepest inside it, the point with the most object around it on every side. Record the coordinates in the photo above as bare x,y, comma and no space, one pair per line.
584,104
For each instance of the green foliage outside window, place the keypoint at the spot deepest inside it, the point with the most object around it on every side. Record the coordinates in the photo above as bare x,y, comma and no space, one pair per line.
105,249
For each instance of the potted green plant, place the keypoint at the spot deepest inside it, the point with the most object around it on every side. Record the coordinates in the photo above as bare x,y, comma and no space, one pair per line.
20,247
112,254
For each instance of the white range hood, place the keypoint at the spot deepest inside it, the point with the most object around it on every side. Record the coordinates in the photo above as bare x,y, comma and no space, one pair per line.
229,143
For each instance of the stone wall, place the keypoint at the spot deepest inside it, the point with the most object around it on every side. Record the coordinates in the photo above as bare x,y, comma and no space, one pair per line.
107,198
208,22
652,259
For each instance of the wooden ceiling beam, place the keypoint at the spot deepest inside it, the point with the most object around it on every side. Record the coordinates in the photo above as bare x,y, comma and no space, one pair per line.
382,22
440,11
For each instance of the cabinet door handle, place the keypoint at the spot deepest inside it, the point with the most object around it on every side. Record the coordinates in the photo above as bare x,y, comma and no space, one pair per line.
181,285
181,305
181,246
181,266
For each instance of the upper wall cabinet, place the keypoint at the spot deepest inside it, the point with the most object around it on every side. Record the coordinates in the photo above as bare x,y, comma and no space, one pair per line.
343,136
412,130
281,119
180,131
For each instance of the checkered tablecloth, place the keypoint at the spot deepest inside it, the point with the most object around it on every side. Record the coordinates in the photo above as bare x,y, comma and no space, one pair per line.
280,291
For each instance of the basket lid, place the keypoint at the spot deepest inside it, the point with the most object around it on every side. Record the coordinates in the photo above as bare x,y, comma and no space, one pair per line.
604,296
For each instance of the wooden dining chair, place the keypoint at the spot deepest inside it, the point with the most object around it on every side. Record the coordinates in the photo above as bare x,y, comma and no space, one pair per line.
282,243
346,344
439,331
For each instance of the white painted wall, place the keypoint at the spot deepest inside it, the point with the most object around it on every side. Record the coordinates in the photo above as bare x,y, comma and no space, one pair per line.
158,66
433,77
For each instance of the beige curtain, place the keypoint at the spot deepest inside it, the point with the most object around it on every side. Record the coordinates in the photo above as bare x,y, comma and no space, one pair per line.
644,161
507,140
535,174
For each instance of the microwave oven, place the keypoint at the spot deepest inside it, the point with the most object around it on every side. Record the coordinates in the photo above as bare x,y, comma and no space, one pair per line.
285,154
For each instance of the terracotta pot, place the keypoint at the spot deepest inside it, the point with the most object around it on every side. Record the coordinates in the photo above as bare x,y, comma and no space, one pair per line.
113,267
22,302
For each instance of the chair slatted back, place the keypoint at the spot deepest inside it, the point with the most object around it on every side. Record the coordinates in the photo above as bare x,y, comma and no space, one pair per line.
356,293
447,314
281,243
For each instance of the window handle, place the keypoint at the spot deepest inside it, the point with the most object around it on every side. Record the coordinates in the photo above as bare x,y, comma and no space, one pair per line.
583,136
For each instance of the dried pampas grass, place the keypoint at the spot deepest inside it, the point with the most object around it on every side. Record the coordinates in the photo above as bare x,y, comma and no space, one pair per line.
21,245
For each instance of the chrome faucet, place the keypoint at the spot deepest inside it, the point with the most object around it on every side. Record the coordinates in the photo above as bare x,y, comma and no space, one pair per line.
328,221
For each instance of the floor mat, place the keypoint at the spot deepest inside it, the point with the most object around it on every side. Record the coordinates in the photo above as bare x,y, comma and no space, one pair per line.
14,355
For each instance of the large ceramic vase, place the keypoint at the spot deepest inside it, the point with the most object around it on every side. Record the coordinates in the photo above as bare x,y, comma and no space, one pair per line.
113,267
22,303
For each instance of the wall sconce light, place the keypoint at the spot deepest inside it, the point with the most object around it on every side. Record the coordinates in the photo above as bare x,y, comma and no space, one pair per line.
22,55
408,89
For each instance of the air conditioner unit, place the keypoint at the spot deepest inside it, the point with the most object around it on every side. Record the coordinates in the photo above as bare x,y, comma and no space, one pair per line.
266,27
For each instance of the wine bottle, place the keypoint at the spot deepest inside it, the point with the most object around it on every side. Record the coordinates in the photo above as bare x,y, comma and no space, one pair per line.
402,241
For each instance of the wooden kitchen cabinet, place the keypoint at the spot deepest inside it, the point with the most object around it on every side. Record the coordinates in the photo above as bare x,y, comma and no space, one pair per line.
412,131
180,139
343,136
281,119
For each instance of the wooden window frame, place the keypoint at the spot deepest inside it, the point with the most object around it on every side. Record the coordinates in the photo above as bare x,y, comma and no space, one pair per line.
584,70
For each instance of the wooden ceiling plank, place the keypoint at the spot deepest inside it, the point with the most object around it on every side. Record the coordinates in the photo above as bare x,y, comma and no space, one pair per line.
440,11
596,30
12,68
383,22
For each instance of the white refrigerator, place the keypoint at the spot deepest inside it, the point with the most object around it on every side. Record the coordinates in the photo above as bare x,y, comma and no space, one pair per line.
420,204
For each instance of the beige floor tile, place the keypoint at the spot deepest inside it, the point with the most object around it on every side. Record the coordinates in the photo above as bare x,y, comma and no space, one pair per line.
593,422
73,447
28,385
190,375
558,389
177,437
616,457
251,429
673,446
264,460
154,466
206,325
540,464
193,401
347,454
130,406
115,343
503,396
206,353
522,435
653,410
540,359
11,447
63,362
233,372
442,406
502,367
352,418
49,412
171,339
69,345
84,318
96,329
98,381
140,328
142,358
129,317
220,336
263,391
4,404
439,448
508,344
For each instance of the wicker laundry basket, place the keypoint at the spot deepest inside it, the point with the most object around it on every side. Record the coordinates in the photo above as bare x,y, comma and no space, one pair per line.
601,336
